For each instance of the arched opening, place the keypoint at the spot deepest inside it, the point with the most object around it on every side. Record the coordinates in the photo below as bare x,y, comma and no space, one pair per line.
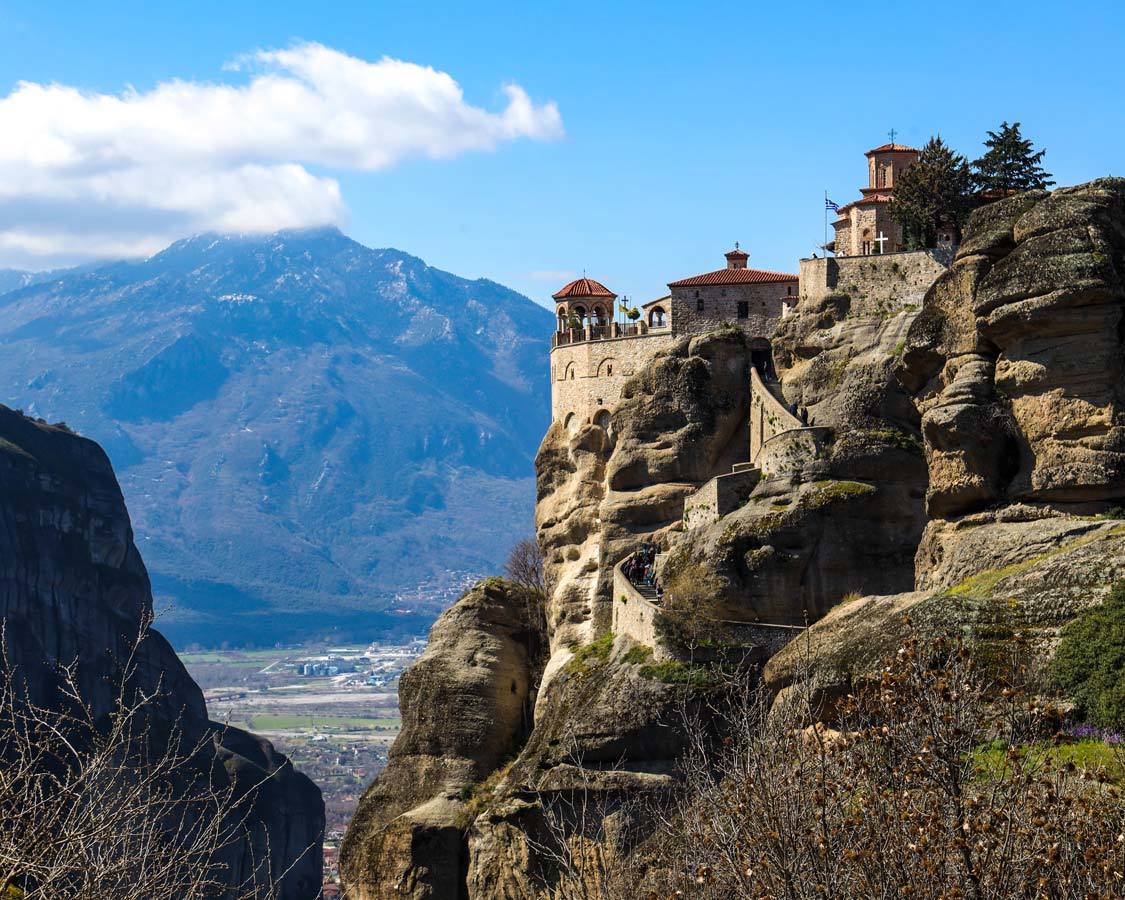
599,316
657,317
580,315
605,367
602,419
761,358
568,375
571,423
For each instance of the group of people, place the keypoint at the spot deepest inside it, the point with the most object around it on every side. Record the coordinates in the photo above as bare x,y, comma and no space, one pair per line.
640,568
801,413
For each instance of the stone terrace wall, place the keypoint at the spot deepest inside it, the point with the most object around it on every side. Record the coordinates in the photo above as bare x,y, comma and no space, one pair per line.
593,387
721,495
880,283
768,416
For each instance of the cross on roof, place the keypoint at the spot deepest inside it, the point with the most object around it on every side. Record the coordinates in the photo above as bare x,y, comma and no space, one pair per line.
892,133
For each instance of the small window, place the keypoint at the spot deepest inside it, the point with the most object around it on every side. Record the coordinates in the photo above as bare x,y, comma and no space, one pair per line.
699,303
789,290
609,369
744,309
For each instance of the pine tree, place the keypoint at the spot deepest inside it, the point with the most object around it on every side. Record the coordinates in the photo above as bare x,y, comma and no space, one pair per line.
1010,165
935,194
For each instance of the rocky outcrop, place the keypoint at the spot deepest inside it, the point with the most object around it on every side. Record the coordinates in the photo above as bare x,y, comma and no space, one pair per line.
466,708
681,421
848,517
1015,365
73,590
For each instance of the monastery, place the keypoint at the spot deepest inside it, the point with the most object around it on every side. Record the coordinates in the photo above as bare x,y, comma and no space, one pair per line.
592,355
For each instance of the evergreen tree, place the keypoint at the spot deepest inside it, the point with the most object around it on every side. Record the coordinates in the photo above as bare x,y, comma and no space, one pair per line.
933,195
1010,165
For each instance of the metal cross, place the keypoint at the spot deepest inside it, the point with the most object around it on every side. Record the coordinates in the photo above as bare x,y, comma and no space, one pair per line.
892,134
881,240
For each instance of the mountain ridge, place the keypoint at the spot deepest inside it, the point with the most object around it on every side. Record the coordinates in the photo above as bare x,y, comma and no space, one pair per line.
305,428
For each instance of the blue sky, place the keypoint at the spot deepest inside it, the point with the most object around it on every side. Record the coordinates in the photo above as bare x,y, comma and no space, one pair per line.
684,128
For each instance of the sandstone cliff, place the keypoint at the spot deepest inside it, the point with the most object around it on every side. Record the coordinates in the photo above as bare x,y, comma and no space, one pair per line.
968,475
73,589
1015,364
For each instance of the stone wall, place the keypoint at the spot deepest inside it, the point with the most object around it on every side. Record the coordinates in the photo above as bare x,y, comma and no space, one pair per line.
764,305
587,377
719,496
634,616
792,451
768,416
879,284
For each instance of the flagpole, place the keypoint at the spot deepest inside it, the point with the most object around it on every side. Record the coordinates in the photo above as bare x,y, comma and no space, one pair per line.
824,246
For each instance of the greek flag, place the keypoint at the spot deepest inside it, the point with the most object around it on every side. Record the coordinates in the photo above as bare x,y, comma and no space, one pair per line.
828,204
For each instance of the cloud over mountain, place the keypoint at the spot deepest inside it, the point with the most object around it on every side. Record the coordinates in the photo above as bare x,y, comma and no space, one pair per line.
88,175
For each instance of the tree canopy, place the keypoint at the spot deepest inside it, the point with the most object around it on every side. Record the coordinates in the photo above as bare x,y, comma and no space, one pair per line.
933,195
1010,164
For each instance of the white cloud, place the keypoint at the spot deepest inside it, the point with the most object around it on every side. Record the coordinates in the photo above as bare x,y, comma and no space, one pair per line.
86,175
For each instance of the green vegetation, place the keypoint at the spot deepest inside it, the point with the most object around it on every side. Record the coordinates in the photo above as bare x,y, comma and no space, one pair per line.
591,656
827,492
899,348
673,671
995,760
637,655
1090,663
1010,164
933,196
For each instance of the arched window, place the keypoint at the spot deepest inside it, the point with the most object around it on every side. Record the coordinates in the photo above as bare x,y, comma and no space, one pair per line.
605,367
656,317
568,375
580,313
602,419
572,422
599,316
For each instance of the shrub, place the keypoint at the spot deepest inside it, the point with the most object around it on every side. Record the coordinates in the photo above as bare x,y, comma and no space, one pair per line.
1090,663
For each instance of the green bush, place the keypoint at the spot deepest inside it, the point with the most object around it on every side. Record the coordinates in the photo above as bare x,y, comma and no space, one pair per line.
1090,663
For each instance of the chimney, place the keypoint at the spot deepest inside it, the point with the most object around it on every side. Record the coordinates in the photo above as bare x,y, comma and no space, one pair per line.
737,258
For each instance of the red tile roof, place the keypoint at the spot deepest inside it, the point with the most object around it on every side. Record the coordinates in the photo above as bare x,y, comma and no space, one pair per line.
737,252
733,276
584,287
892,148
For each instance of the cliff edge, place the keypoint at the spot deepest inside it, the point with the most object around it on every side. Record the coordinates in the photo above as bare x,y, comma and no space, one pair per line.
74,590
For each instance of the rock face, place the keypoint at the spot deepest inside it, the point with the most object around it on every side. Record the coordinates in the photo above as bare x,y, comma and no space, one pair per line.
681,421
466,707
849,519
1015,364
971,481
73,589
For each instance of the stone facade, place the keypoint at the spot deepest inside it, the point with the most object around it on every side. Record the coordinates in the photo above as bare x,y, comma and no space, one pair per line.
590,363
865,226
885,283
587,376
755,308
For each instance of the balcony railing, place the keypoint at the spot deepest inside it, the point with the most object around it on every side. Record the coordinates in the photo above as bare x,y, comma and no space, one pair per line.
607,332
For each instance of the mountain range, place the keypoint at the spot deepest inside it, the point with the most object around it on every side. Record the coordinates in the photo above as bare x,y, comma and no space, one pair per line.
314,438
